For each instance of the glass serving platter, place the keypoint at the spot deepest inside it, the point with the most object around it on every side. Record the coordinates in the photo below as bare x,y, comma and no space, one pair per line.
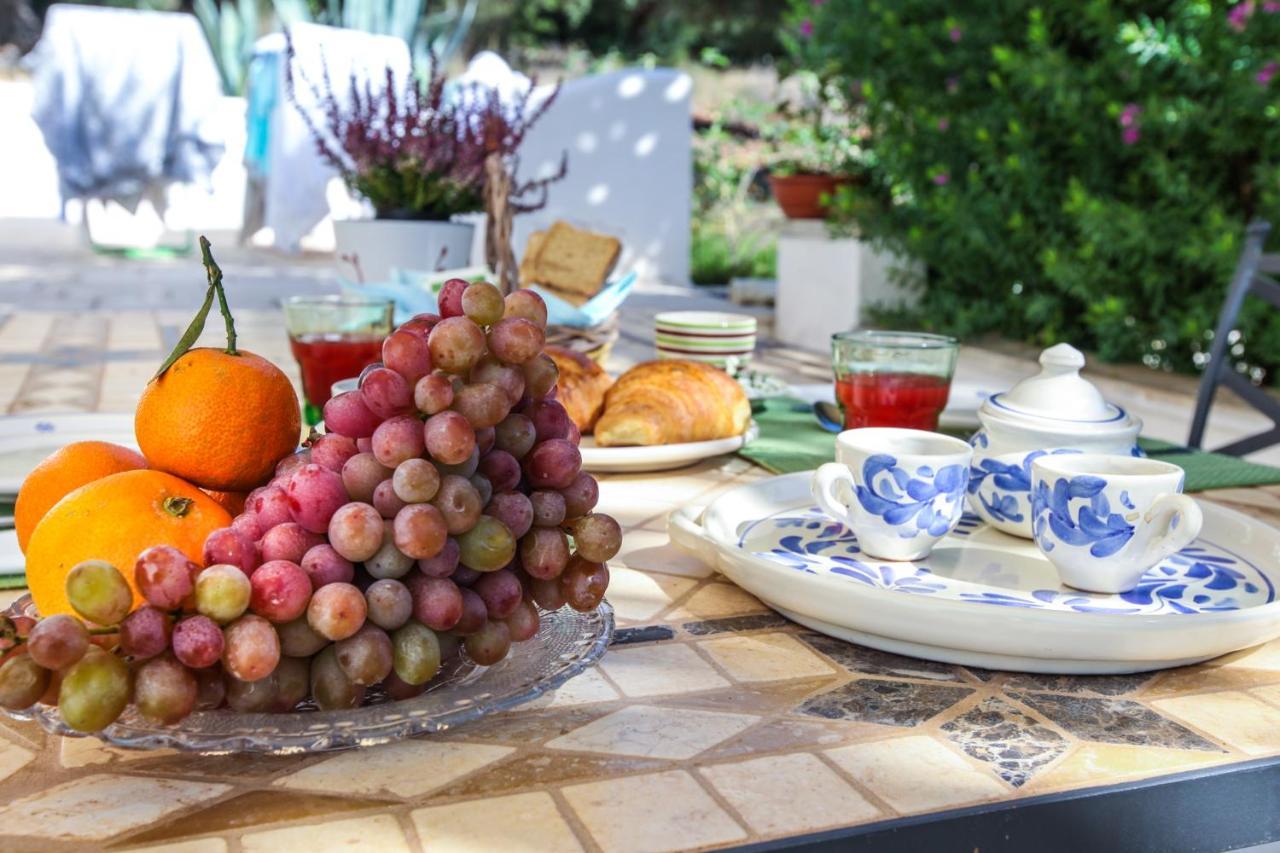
567,643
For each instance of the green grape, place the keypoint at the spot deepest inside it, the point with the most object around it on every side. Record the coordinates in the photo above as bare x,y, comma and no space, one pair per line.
251,697
99,593
330,686
22,683
94,691
416,653
223,593
164,690
488,546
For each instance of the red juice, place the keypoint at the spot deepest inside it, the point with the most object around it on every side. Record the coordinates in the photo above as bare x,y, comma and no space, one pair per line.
328,358
910,400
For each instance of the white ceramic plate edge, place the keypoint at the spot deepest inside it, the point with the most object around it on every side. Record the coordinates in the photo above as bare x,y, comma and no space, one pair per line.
662,457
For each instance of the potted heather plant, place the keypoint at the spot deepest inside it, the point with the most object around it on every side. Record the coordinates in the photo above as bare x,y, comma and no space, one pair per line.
417,153
816,148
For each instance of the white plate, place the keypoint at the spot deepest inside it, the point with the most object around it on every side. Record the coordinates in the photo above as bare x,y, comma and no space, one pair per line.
25,440
986,599
11,560
962,403
660,457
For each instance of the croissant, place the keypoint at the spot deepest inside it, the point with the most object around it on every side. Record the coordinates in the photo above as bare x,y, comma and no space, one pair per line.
669,402
581,386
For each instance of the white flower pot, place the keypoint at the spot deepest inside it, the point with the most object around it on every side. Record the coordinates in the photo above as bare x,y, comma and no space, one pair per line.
383,244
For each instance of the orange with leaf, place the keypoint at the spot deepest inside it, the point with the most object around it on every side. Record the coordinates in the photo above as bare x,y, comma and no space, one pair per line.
64,471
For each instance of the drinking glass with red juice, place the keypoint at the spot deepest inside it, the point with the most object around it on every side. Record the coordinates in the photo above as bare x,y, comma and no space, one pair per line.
334,338
892,379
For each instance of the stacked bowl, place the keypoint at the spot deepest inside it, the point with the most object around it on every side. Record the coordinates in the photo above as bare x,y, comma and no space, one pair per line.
713,337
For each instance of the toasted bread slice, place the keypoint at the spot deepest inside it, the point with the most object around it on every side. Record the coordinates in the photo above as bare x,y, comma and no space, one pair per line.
570,259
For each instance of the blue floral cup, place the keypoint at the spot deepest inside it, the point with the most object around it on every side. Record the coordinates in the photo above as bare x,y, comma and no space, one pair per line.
1104,520
898,490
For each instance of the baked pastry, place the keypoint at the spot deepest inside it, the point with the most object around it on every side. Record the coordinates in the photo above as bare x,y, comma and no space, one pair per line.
672,401
581,386
572,263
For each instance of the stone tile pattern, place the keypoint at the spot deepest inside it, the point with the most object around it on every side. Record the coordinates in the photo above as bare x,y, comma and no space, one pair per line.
680,740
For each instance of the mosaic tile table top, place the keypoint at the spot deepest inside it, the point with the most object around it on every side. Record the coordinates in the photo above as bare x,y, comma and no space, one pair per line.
712,722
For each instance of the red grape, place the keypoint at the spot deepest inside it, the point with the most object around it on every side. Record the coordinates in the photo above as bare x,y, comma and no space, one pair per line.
433,393
298,639
389,603
552,464
443,564
365,443
501,593
420,323
597,537
386,393
450,297
482,486
474,613
493,372
516,340
515,435
463,576
514,510
583,583
459,503
324,565
332,451
548,508
144,633
211,688
164,690
550,420
288,542
575,435
292,462
501,469
390,561
523,622
270,506
490,644
365,656
485,438
361,475
540,375
482,303
544,552
58,641
227,546
355,532
407,353
164,576
252,648
420,531
330,687
437,602
347,414
281,590
463,469
336,611
247,526
457,344
482,404
580,496
386,501
449,437
23,682
397,689
315,493
197,642
398,439
527,304
547,593
415,481
292,682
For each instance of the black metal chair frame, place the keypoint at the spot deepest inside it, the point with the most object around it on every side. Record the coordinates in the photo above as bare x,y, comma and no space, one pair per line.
1251,276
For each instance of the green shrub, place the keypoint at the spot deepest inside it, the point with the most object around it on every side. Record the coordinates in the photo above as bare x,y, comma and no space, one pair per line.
1077,170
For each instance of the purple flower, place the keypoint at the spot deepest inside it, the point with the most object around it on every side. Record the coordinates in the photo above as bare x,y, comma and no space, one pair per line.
944,123
806,28
1129,115
1268,71
941,179
1131,135
1271,7
956,34
1238,17
953,85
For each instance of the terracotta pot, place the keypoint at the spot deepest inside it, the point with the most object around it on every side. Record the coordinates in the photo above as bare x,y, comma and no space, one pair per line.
800,196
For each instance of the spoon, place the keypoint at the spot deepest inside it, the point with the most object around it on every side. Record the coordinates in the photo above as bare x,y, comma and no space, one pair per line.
829,416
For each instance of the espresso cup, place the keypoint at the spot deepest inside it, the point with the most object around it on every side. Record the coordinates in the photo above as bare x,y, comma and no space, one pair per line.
898,490
1104,520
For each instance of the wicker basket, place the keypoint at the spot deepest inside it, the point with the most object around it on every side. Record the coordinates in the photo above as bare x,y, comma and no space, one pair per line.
595,342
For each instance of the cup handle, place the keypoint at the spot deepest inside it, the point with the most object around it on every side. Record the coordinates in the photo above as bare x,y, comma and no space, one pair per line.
826,482
1174,521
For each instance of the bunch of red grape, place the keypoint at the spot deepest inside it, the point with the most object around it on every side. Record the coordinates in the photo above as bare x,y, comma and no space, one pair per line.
440,512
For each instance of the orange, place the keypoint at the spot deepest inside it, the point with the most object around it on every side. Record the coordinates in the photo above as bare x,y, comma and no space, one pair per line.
218,420
232,502
115,519
63,471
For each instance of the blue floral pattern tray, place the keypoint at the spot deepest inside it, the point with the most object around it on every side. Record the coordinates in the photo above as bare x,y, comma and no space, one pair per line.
985,598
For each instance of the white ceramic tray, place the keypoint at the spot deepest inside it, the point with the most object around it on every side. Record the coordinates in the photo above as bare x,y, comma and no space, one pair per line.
25,440
987,599
661,457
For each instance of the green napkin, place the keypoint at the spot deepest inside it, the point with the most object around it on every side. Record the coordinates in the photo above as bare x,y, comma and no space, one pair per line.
791,440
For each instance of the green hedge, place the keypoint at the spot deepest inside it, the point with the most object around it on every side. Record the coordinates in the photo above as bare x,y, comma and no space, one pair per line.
1079,170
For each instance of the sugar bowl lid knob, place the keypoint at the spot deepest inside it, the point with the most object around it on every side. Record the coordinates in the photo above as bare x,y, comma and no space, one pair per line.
1058,391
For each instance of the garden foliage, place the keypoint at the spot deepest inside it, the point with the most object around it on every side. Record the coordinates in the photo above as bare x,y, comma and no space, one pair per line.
1078,170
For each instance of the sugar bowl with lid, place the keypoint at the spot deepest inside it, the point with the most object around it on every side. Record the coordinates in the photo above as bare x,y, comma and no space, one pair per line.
1056,411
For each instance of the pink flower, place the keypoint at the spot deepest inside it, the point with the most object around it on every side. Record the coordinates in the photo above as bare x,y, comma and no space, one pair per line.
1268,71
956,34
1238,17
944,123
1271,7
941,179
1131,135
806,28
1129,115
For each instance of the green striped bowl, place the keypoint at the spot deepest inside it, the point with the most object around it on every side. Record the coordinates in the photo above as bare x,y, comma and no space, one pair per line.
709,336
